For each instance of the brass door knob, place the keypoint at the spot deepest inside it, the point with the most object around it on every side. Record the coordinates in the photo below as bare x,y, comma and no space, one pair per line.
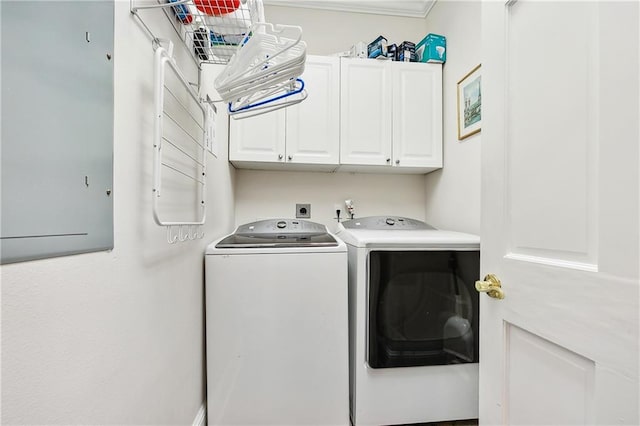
492,286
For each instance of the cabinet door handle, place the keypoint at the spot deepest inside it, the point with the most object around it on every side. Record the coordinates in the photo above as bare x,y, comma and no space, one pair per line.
388,160
290,158
280,157
397,161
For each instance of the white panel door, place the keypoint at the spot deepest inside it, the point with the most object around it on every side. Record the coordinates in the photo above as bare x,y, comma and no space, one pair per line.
417,115
258,138
365,103
560,228
313,126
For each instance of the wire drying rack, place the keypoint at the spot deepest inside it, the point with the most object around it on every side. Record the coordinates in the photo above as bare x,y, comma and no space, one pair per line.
182,127
211,29
263,65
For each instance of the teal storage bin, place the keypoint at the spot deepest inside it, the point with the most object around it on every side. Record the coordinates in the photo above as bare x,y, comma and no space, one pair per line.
432,48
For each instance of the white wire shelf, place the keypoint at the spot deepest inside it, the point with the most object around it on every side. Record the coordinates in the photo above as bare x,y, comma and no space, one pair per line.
264,61
211,29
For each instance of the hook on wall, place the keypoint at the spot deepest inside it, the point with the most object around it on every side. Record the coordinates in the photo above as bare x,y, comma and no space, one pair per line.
183,233
171,237
196,232
200,233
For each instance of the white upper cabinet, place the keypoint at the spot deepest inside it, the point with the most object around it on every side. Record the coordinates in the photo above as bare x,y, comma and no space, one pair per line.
391,116
313,132
259,138
360,115
417,115
304,134
365,101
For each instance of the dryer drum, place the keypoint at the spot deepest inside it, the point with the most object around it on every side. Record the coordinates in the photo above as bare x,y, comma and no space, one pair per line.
420,317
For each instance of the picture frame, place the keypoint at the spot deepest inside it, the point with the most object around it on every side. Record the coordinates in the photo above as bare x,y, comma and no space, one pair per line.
470,104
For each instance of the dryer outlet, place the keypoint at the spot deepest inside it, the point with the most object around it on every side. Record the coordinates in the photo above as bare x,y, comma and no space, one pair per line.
303,211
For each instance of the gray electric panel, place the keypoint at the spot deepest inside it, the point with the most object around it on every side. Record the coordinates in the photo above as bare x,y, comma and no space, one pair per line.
57,128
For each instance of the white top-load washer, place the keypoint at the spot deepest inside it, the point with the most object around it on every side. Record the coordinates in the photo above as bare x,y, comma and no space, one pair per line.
277,326
413,321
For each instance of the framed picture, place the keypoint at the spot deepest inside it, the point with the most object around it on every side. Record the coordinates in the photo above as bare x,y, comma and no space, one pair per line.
470,104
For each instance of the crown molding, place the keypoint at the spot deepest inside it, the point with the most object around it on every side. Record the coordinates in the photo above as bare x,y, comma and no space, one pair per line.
406,8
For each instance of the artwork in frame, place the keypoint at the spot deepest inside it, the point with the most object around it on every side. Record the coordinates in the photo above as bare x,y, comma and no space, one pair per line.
470,104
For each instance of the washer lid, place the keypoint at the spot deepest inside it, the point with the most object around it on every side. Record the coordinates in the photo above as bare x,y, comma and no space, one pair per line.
279,233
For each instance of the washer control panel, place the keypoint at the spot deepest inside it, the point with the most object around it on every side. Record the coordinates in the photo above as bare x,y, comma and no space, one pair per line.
386,223
281,226
279,233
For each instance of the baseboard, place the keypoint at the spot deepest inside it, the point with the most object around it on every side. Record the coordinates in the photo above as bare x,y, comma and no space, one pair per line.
201,417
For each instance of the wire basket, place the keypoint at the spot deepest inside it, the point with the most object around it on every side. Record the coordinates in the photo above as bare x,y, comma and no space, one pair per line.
215,28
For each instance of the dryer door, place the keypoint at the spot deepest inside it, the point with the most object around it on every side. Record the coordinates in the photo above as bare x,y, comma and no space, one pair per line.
422,308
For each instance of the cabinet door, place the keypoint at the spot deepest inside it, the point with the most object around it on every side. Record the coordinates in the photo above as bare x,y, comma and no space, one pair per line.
365,102
313,126
259,138
417,115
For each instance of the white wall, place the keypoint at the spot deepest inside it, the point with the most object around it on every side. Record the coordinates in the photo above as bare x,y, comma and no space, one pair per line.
453,193
327,32
116,337
261,194
265,194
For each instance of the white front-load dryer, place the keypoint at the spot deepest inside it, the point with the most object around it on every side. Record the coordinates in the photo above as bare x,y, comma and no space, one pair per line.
277,326
413,321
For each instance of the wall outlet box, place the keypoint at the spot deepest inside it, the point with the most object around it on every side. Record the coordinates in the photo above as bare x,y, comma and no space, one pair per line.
303,211
433,49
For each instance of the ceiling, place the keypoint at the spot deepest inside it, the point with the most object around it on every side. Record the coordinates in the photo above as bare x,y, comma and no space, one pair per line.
407,8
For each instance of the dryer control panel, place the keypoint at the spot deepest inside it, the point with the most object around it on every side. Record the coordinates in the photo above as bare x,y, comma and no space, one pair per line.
396,223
